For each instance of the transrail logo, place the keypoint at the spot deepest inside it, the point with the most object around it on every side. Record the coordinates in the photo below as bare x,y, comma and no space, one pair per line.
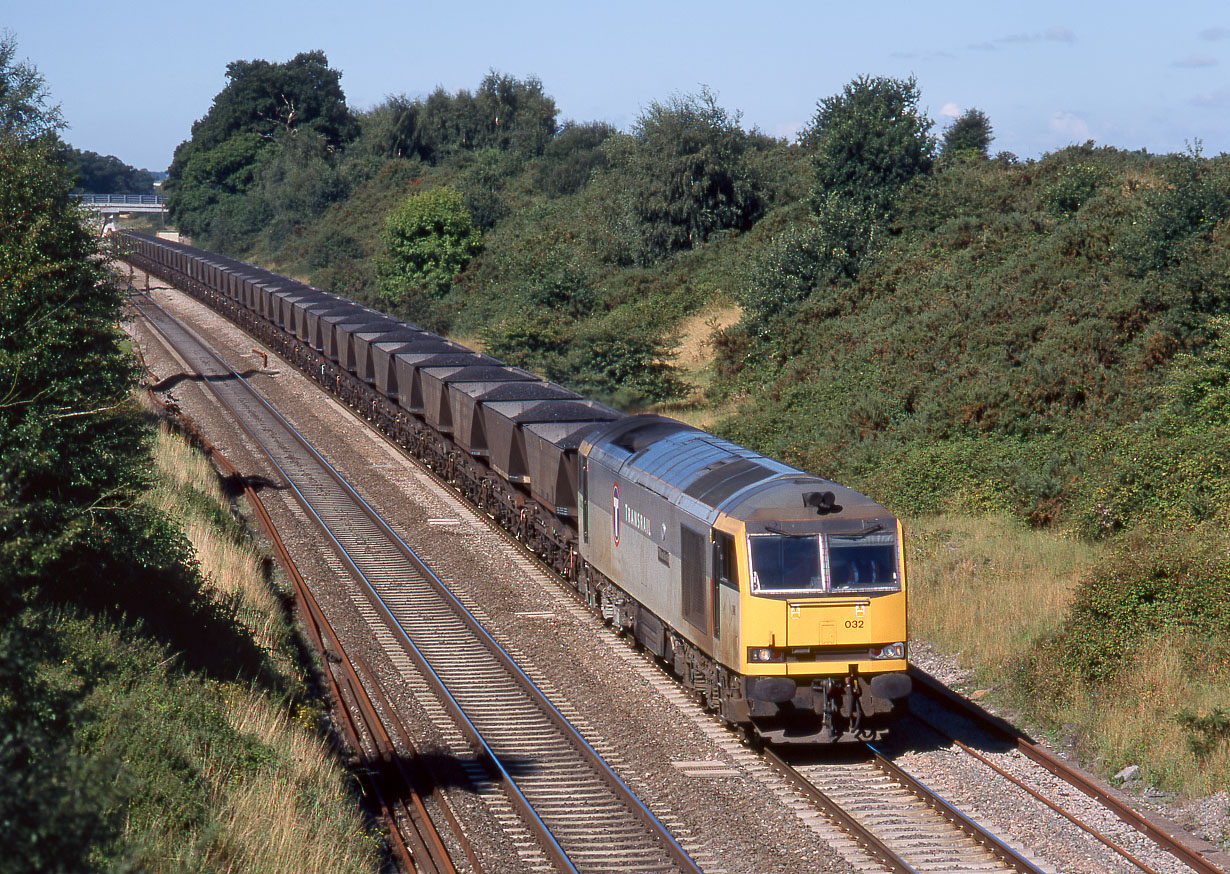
615,512
621,512
637,521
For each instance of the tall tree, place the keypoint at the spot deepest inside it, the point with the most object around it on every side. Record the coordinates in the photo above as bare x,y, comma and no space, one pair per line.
517,114
69,441
686,168
869,140
24,110
261,106
969,134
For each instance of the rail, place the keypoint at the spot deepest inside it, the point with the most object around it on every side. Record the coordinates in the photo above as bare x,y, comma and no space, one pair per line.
344,516
1153,827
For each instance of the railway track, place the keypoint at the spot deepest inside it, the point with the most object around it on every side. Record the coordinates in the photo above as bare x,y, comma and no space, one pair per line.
897,820
1163,834
584,817
923,833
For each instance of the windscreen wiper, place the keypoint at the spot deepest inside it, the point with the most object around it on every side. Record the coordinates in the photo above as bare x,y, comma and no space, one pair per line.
773,529
859,535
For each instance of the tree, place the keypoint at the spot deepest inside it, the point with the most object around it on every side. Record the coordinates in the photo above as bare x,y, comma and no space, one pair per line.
262,98
517,115
69,448
570,159
392,129
870,140
25,113
428,240
687,172
969,134
505,113
262,106
294,184
97,174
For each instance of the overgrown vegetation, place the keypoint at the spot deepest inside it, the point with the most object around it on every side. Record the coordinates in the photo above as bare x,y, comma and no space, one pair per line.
1040,343
147,684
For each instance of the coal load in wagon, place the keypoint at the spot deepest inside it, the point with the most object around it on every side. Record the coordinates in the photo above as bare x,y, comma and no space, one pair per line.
434,381
410,360
503,423
466,398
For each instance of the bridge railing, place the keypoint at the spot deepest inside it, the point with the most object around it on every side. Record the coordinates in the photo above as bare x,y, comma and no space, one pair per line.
123,199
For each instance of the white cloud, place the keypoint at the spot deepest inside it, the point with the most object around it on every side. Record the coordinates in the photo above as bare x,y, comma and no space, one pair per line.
950,110
1051,34
1215,99
1195,61
1215,33
1070,125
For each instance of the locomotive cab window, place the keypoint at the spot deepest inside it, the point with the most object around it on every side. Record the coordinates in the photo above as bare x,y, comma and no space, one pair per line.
863,563
724,559
785,564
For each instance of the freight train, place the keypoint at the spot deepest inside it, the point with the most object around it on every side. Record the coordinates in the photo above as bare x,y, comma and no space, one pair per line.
777,597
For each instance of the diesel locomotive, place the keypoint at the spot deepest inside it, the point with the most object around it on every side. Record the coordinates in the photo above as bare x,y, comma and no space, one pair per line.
777,597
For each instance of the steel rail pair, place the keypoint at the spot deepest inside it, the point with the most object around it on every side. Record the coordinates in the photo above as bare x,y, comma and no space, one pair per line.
354,527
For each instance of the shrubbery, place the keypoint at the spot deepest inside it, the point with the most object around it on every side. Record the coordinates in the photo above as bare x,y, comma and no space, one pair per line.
427,242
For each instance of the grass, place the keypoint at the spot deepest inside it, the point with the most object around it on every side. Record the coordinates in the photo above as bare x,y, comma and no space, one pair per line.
189,490
986,588
293,814
1133,721
992,591
228,777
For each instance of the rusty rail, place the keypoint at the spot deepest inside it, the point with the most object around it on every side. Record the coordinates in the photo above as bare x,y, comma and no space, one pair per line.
1163,833
417,849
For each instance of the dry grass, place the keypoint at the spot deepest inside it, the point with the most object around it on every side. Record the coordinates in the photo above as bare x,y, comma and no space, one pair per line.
985,588
693,356
473,342
295,815
185,468
232,569
283,806
1133,721
694,351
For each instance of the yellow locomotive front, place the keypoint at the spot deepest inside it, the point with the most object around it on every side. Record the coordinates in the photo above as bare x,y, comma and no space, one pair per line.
822,611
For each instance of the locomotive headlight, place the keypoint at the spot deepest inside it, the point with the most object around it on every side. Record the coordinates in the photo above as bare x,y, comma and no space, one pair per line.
888,651
762,654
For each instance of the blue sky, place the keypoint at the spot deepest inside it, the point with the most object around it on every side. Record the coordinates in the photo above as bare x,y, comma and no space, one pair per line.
131,78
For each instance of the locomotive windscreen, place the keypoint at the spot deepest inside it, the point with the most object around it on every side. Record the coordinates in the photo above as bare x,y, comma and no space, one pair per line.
785,564
861,563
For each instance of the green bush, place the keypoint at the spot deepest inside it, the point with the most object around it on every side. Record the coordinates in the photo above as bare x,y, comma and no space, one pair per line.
1160,582
1073,185
687,174
427,241
869,140
571,158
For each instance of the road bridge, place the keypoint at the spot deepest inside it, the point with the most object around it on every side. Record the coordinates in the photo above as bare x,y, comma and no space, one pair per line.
114,204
